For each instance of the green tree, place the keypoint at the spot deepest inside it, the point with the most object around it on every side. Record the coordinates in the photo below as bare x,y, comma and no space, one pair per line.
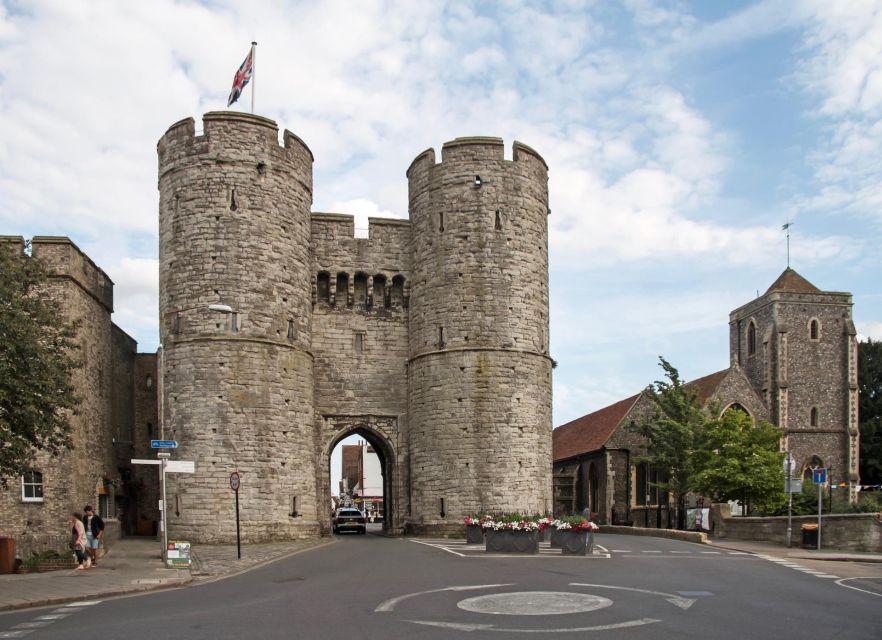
670,431
737,460
36,364
870,410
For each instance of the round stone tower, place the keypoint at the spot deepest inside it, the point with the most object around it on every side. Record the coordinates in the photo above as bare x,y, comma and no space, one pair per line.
235,324
479,373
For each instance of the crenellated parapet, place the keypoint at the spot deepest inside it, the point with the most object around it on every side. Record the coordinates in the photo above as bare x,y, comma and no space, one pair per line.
63,259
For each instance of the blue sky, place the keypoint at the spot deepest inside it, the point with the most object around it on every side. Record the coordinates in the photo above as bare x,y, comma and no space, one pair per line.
680,137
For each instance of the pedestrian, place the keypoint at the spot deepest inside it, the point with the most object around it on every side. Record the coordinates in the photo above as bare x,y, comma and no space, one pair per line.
94,527
78,541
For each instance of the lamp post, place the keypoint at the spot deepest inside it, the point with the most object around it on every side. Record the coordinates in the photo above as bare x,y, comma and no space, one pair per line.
164,455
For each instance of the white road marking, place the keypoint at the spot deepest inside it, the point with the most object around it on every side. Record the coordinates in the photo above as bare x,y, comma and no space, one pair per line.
53,616
650,552
14,634
841,582
673,598
390,604
489,627
84,603
712,552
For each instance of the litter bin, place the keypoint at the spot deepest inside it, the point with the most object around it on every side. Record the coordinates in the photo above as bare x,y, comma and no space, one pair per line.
809,536
7,554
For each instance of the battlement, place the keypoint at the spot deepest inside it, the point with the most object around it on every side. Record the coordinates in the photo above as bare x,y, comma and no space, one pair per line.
13,241
232,135
62,258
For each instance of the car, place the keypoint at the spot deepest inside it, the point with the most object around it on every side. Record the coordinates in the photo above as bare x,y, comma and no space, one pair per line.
349,519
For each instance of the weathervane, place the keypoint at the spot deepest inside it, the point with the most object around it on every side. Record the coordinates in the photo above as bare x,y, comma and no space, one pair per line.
786,228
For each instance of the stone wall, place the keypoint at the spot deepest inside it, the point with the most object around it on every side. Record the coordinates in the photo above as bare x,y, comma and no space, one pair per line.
83,293
844,532
144,485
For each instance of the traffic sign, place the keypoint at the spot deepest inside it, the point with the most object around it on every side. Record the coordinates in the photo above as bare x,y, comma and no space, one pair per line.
163,444
819,475
234,482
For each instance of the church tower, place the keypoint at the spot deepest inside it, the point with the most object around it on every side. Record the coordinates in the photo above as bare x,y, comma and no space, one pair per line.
798,347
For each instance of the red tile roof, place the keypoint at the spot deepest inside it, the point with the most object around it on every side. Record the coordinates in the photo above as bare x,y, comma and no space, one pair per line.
590,432
789,280
708,385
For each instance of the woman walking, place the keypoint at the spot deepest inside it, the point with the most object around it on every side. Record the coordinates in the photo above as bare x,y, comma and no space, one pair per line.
78,541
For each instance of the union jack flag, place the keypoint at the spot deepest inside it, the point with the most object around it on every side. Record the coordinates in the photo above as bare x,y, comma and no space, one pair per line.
243,75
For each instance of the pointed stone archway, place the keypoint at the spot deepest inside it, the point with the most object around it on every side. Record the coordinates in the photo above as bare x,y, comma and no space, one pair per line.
381,433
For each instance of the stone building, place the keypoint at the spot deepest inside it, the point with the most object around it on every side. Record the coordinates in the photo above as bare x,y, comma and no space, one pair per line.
793,362
97,469
283,333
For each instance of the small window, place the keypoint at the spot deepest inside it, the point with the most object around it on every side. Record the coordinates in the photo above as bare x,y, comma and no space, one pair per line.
342,293
149,381
291,334
814,330
498,224
360,288
813,417
397,297
751,339
32,486
234,322
440,337
178,322
441,221
380,299
359,342
323,287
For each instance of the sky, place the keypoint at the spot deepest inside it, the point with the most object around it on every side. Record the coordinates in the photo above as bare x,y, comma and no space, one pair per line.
680,138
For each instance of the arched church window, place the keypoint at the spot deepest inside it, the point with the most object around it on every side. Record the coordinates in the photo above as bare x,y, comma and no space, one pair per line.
751,338
814,329
813,417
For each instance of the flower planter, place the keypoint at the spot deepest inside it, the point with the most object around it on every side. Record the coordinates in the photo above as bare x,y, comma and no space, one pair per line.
474,534
573,543
510,541
555,537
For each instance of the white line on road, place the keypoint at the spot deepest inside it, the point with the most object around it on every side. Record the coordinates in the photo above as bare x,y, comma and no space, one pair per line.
489,627
673,598
390,604
841,582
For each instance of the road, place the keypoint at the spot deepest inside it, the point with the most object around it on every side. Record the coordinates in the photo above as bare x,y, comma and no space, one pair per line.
376,587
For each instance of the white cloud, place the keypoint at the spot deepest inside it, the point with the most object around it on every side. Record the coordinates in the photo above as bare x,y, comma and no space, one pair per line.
872,329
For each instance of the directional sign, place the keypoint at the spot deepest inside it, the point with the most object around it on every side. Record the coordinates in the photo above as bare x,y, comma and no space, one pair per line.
180,466
819,475
163,444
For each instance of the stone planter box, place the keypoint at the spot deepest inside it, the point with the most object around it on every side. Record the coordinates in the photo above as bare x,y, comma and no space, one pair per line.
511,541
554,537
576,543
474,534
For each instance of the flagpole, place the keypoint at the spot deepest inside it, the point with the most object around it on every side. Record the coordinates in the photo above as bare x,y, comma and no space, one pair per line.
253,73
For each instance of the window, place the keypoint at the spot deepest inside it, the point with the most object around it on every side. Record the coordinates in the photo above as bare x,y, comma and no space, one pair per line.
398,291
291,333
32,487
359,342
640,486
814,330
380,291
813,417
751,338
360,288
342,294
323,286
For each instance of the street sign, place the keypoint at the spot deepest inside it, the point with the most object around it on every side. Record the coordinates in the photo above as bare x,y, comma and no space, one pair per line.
234,482
180,466
794,486
163,444
819,475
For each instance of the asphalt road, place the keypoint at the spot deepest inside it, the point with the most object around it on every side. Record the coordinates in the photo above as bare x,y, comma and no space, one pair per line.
375,587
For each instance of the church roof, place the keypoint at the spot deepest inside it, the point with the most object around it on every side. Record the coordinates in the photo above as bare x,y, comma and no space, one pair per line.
590,432
789,280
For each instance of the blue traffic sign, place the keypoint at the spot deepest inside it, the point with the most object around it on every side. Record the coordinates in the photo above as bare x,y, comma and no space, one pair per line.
819,475
163,444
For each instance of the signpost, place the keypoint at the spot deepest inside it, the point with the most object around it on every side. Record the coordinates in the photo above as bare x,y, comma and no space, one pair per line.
819,477
166,466
788,469
235,483
163,444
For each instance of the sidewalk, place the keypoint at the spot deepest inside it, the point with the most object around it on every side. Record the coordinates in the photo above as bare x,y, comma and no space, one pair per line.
134,564
768,548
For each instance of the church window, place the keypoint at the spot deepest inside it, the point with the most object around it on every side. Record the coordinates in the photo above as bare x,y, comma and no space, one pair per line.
814,329
810,466
360,288
813,417
323,286
398,291
32,486
342,292
751,338
380,291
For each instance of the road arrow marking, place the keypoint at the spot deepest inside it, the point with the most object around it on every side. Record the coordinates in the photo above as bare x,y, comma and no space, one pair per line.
489,627
674,599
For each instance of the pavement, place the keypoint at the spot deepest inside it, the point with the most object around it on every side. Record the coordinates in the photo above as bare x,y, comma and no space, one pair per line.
133,565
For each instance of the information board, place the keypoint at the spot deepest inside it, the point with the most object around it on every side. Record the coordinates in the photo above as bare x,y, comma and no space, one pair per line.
177,554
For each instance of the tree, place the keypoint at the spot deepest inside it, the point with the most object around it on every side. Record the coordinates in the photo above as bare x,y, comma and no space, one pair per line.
870,410
671,431
36,364
737,460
